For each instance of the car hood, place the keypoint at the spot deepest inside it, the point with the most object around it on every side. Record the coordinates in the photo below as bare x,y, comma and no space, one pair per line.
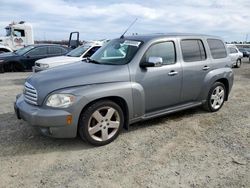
7,55
76,74
58,60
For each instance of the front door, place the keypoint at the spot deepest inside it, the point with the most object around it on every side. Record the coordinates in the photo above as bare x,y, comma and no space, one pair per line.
162,85
30,57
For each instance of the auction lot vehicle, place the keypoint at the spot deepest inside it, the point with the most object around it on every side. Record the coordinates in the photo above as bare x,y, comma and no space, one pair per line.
245,52
17,36
24,58
75,55
235,55
128,80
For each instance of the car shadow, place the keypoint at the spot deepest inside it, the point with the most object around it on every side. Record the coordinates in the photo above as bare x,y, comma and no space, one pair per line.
18,138
176,116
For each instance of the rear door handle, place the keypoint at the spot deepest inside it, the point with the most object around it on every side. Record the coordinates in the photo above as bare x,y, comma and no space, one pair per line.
172,73
206,67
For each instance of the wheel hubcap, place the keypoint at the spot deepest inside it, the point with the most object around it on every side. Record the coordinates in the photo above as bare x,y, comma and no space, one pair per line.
217,97
104,123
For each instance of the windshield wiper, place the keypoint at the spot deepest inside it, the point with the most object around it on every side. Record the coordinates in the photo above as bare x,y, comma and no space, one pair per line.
89,60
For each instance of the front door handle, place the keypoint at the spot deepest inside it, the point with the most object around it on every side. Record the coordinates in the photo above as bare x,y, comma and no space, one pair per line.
172,73
206,67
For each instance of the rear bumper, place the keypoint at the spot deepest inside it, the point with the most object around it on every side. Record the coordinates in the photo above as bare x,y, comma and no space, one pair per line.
51,122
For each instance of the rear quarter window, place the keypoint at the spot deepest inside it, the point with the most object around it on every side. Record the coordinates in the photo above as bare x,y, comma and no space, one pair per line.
217,48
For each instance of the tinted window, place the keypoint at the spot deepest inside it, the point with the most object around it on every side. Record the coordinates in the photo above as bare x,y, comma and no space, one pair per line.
217,48
55,50
38,51
91,51
165,50
193,50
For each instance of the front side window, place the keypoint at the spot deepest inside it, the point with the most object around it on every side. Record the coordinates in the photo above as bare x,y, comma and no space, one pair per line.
193,50
232,50
217,48
165,50
40,51
117,52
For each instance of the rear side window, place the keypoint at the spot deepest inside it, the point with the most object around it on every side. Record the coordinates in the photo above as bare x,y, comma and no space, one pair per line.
55,50
193,50
217,48
165,50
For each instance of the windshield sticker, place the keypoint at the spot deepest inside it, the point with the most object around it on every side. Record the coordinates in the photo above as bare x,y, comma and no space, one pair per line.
132,43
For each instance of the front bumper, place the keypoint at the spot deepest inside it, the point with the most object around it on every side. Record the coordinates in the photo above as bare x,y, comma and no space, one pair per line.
51,122
37,69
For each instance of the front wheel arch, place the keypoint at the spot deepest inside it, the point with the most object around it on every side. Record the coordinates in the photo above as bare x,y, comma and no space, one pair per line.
118,100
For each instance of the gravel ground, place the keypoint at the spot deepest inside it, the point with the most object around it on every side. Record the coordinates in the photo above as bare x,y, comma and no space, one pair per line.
192,148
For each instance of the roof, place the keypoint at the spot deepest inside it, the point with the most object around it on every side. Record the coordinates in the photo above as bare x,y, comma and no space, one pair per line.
37,45
167,35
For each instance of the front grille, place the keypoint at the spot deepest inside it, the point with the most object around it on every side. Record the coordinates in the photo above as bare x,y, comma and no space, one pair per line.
30,94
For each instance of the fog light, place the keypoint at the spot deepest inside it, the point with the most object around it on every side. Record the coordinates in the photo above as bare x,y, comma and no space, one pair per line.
69,119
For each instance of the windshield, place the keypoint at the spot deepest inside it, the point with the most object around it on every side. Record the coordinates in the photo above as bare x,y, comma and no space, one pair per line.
22,51
78,51
116,52
8,31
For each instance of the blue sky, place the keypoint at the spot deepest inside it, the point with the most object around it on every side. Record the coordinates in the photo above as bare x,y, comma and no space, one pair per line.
55,19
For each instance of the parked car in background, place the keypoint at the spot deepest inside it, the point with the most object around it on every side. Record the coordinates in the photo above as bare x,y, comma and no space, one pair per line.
75,55
129,79
24,58
245,52
235,55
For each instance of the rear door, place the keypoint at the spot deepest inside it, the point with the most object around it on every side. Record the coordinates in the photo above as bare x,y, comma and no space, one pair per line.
195,67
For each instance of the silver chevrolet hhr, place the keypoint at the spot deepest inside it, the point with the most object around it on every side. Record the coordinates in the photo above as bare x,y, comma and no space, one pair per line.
129,79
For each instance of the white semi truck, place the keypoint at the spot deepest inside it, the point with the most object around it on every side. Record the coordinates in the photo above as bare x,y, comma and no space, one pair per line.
17,36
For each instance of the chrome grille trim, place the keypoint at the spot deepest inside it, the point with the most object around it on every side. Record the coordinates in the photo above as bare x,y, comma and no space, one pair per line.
30,94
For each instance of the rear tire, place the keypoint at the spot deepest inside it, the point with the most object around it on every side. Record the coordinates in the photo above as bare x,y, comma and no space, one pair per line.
101,122
216,97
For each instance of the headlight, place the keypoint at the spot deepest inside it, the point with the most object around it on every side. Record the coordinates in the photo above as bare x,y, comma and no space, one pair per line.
44,66
60,100
1,60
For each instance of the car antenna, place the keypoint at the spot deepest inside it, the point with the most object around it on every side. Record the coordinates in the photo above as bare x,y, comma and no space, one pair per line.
122,36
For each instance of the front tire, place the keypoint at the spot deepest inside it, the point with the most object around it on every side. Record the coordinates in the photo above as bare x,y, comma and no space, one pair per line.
238,63
216,97
101,122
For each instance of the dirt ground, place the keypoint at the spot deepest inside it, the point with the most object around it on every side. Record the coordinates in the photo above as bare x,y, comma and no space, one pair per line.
186,149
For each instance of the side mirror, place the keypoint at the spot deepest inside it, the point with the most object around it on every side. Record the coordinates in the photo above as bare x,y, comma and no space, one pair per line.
153,62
